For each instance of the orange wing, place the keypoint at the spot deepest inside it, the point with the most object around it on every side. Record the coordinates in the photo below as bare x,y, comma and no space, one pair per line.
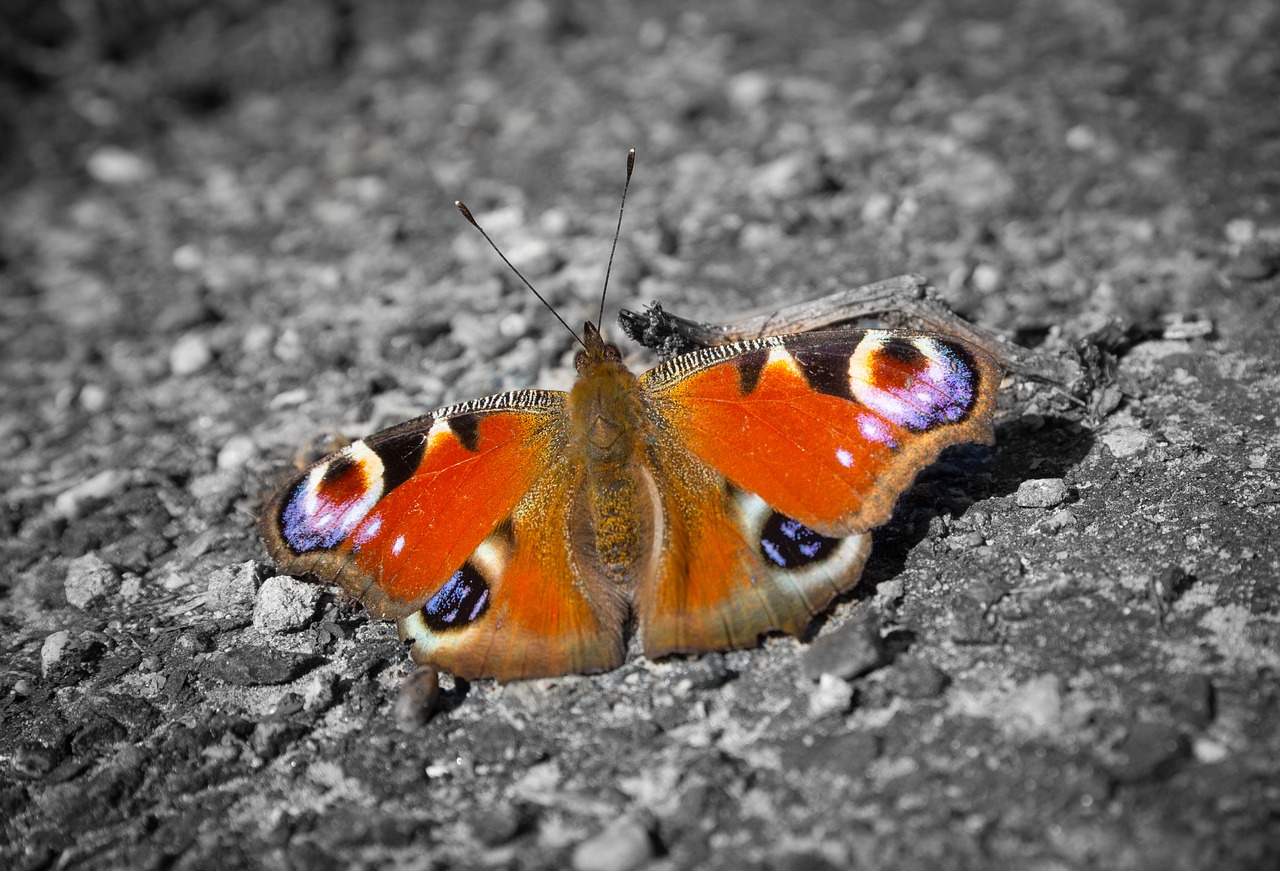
456,523
777,455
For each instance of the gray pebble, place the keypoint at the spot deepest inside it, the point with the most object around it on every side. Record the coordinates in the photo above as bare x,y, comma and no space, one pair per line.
90,579
258,666
917,679
417,699
789,177
1042,493
285,604
852,650
1149,752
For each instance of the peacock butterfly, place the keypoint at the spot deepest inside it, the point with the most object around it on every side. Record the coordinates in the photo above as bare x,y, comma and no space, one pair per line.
726,493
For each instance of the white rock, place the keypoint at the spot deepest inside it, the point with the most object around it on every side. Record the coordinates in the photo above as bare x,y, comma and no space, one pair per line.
1126,441
113,165
1037,704
833,695
749,91
90,579
1042,493
191,353
233,587
236,452
76,500
624,844
285,604
52,649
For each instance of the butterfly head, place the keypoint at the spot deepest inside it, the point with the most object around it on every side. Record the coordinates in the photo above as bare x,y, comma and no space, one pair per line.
595,351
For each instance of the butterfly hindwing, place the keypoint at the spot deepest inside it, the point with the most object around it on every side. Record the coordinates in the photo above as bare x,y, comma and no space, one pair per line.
544,614
791,448
733,568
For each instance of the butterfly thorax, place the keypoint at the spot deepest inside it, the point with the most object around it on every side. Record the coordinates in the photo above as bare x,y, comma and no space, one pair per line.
608,429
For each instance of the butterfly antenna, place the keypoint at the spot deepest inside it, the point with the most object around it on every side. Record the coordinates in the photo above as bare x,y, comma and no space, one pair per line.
466,213
631,165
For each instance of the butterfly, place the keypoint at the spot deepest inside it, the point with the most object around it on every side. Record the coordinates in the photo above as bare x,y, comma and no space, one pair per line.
723,495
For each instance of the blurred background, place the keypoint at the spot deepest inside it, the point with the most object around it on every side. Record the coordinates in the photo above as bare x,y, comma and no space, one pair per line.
227,231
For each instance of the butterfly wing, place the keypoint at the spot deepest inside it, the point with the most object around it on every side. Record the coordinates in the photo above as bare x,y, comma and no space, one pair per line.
456,524
778,455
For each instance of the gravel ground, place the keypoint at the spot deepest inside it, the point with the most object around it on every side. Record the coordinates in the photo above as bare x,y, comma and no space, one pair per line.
228,236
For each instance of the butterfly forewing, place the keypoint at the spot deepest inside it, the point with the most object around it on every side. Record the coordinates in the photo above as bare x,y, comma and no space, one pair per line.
393,516
827,427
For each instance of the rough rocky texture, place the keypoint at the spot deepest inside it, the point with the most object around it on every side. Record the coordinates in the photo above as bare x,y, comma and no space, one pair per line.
227,235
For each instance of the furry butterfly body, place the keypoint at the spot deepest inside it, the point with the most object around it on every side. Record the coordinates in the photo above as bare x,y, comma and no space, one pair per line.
720,496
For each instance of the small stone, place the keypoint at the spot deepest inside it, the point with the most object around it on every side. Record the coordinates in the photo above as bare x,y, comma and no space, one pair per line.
966,540
55,644
1150,750
624,844
191,353
913,678
76,501
188,258
1181,327
1042,493
90,579
1255,263
417,698
258,666
789,177
876,208
1126,441
1037,704
497,825
1063,518
750,90
131,587
1209,752
1081,138
888,596
1240,231
285,604
233,587
319,694
849,652
113,165
236,452
833,695
94,398
986,278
